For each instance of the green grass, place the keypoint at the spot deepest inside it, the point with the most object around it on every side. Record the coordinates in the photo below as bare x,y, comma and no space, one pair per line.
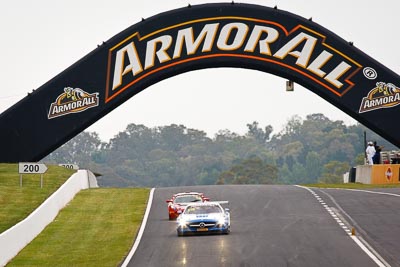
353,186
97,228
17,202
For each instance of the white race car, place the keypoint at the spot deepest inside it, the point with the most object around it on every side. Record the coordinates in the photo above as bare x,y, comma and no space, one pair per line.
207,217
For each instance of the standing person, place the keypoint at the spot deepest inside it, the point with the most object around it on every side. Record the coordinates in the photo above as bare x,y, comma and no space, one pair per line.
377,157
370,151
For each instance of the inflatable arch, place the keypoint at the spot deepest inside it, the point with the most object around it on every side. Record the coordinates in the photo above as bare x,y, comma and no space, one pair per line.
198,37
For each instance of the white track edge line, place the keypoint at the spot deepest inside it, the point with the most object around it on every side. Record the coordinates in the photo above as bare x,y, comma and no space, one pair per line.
356,239
366,250
374,192
141,230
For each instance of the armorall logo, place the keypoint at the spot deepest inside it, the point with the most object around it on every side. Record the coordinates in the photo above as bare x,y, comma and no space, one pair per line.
299,49
73,100
384,95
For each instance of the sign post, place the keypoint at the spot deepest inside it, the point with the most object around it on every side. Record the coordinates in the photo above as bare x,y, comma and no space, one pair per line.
31,168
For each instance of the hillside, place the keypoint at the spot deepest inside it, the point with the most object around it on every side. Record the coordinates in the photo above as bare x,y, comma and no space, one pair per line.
17,201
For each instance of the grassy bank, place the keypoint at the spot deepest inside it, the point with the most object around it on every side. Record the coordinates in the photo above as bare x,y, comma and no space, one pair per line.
17,202
97,228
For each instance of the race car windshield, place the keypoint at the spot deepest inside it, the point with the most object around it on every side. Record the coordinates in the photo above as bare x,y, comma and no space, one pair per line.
202,209
188,198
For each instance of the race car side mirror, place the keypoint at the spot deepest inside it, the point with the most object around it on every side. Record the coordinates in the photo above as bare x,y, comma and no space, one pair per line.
168,200
206,199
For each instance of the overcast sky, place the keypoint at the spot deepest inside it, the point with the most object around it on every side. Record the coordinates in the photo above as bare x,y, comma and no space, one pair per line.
41,38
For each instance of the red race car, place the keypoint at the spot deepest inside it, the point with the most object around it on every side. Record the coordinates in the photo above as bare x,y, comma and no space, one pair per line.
179,201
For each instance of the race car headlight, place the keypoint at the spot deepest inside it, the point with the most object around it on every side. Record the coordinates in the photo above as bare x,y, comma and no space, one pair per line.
221,220
182,223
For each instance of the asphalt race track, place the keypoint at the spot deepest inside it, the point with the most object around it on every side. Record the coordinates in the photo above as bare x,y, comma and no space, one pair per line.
271,225
375,213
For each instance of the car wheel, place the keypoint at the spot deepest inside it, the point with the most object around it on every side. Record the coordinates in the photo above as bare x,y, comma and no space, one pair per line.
228,231
179,233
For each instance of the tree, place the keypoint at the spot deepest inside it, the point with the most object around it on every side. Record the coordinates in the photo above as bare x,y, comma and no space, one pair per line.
173,137
333,172
313,167
78,150
175,155
299,174
250,171
258,133
293,126
226,177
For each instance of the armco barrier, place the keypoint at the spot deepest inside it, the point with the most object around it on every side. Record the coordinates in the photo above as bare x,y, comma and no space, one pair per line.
17,237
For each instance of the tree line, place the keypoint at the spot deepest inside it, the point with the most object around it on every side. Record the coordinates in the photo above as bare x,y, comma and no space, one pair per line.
310,150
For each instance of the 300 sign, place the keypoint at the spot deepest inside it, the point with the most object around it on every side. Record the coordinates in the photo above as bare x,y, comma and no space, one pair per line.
69,166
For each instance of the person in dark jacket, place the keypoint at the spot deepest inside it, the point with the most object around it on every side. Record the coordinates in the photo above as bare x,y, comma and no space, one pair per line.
377,156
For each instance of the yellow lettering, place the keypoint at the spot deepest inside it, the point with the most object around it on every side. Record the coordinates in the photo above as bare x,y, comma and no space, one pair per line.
336,73
207,35
161,54
226,31
302,56
120,69
264,44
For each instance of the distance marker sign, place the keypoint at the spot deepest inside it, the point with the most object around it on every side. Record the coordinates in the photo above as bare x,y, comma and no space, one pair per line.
69,166
31,167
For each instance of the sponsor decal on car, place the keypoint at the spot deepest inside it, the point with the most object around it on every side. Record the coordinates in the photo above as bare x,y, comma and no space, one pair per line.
73,100
384,95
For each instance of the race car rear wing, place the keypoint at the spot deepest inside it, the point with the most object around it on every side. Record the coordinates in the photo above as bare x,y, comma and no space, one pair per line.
220,202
